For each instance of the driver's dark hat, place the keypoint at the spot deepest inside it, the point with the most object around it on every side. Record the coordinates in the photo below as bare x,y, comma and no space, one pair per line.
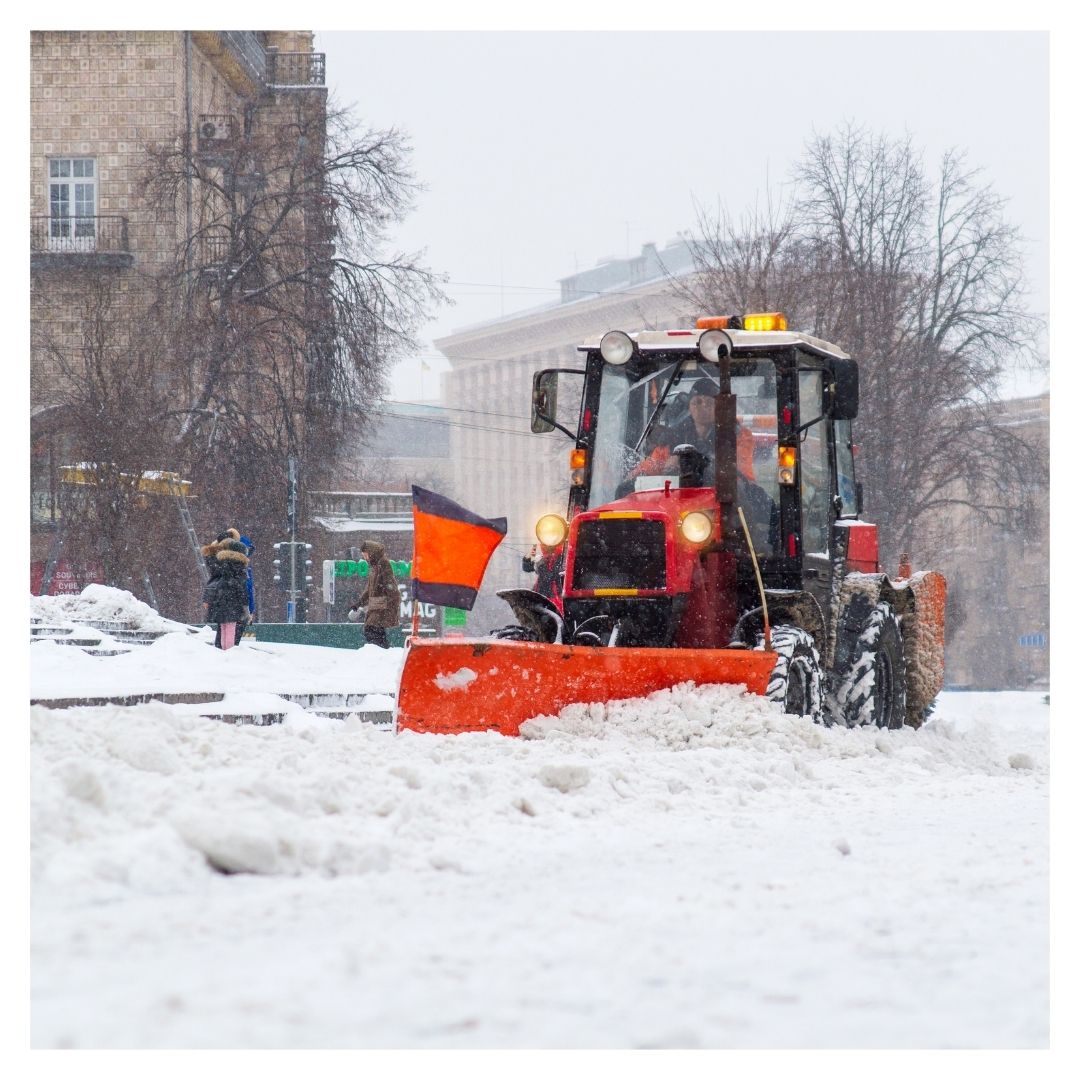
704,388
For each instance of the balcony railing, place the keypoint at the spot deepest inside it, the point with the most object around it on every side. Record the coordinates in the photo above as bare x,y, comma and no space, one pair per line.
101,234
216,244
295,69
373,505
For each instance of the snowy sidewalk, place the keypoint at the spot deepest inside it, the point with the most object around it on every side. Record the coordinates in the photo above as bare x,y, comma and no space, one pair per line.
255,682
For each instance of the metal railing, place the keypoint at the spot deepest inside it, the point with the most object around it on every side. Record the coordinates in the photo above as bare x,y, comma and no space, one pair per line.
295,69
247,46
215,247
367,504
102,233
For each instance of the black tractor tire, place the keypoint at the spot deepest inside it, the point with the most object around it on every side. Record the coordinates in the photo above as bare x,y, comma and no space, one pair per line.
795,681
874,692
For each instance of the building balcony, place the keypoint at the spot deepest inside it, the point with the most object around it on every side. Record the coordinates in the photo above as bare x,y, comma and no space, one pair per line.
295,69
98,241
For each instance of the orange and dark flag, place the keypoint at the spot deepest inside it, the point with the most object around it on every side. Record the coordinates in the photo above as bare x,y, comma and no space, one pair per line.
451,549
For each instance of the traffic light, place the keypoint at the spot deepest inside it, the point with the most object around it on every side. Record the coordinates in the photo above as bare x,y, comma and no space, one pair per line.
292,566
305,572
282,565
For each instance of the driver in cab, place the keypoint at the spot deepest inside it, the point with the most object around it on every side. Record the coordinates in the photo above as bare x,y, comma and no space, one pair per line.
698,430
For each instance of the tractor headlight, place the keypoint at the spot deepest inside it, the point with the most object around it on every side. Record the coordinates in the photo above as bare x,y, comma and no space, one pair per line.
616,347
551,530
696,527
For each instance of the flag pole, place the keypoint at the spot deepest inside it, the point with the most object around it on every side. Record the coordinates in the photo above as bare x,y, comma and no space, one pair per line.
412,566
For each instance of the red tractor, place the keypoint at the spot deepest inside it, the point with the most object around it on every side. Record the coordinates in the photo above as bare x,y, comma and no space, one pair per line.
713,534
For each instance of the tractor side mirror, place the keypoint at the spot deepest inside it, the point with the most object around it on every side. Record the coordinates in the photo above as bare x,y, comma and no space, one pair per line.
545,400
845,394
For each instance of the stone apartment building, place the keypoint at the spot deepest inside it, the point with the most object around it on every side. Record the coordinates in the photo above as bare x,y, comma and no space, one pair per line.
97,100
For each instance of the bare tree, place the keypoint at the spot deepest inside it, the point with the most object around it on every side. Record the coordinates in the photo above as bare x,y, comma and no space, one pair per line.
266,331
288,310
920,277
288,307
746,263
106,381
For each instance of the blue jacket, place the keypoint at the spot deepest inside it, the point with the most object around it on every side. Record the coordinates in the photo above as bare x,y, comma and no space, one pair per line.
250,576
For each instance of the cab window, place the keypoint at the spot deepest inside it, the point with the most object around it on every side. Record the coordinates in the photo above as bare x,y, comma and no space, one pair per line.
845,469
814,464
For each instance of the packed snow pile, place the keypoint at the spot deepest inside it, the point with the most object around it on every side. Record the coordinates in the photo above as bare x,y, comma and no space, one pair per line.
102,604
154,796
726,718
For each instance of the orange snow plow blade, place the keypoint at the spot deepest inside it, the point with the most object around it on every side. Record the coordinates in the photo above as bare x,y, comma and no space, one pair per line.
449,687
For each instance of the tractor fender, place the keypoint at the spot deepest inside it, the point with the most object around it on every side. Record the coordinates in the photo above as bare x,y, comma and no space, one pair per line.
919,602
788,607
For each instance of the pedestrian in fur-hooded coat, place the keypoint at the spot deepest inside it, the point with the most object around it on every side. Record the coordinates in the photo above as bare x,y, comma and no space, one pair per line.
549,569
228,600
224,570
213,573
228,603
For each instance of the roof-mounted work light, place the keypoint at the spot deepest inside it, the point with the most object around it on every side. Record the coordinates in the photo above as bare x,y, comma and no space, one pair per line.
713,344
616,347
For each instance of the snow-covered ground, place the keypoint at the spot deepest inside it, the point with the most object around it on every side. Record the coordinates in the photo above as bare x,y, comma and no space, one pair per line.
691,870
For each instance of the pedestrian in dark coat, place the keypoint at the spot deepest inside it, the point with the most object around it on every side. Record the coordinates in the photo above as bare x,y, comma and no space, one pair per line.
549,571
214,570
228,601
381,597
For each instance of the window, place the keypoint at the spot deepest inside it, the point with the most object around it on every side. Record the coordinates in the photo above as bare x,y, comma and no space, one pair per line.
48,451
633,421
43,501
845,469
72,204
814,464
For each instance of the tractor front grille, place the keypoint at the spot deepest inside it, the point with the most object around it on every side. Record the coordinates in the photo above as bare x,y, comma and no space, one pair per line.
620,553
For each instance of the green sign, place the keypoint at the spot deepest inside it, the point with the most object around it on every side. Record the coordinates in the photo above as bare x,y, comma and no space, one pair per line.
360,568
453,616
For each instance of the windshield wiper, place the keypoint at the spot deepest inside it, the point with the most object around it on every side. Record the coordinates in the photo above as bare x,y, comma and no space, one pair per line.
660,404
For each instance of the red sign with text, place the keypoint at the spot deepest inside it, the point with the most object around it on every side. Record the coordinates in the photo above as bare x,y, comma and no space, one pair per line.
66,580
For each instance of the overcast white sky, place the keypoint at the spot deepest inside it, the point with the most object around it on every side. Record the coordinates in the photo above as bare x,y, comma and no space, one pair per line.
544,152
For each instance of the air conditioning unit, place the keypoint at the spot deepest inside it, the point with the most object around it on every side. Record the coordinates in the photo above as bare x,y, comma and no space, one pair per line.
214,130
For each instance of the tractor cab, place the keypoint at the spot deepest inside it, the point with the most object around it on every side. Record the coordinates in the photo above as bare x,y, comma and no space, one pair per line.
729,444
